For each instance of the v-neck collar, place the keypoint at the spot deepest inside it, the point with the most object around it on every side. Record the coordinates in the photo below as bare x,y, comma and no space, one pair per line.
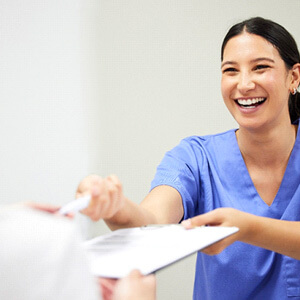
290,180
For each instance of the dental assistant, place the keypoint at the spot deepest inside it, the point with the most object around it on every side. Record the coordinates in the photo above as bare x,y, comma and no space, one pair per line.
253,168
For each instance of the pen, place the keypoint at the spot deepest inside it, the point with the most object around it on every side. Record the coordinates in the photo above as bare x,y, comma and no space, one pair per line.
75,205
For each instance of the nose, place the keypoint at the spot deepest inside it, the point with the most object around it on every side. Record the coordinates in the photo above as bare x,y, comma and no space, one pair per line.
245,83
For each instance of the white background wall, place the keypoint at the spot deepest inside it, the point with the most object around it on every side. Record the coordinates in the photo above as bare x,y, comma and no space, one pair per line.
108,86
43,149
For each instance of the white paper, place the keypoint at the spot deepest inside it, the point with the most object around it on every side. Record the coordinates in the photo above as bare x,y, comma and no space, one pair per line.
148,249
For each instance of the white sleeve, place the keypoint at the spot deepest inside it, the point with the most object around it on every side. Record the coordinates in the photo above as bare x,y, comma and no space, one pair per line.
41,257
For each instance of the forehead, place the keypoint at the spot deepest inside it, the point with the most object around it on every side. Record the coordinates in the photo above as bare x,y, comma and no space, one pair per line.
247,45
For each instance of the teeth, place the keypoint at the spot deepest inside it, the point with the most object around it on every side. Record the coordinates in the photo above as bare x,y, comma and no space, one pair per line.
250,101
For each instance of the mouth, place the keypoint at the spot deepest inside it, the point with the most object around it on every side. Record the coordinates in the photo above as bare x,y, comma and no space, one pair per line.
250,102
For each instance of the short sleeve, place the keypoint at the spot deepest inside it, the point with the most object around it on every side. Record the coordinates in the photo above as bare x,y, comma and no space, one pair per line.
180,169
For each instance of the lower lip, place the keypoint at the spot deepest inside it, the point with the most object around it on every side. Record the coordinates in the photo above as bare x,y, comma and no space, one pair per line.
249,110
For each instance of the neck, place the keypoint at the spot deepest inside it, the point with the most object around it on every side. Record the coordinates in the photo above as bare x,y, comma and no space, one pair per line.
272,147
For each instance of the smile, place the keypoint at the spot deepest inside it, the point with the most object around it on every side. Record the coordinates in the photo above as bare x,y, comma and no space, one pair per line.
250,103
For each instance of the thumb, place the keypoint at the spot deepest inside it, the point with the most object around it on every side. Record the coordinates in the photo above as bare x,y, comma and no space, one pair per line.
135,274
209,218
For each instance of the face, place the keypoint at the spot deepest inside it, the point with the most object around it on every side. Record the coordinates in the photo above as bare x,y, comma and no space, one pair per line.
255,82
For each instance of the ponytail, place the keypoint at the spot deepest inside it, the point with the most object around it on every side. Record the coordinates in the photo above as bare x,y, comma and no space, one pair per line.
294,107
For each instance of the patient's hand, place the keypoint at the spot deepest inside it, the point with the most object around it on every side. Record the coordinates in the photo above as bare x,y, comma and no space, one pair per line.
135,286
43,207
49,208
107,287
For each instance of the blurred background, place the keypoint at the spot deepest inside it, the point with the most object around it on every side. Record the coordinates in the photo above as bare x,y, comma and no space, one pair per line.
109,86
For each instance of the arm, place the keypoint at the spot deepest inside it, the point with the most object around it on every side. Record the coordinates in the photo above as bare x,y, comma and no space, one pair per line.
162,205
272,234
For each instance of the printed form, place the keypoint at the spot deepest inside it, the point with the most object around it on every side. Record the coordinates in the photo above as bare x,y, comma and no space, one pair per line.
149,248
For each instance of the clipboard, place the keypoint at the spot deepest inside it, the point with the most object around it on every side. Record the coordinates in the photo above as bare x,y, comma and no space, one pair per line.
148,248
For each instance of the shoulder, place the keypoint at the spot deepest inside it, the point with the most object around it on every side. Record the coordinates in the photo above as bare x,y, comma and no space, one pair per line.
195,150
209,141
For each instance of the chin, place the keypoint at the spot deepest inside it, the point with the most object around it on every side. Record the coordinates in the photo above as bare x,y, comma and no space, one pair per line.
252,124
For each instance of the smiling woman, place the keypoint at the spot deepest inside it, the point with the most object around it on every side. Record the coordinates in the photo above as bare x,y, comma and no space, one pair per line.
283,44
256,74
258,83
250,173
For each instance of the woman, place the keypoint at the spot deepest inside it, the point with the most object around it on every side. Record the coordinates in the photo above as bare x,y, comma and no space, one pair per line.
253,170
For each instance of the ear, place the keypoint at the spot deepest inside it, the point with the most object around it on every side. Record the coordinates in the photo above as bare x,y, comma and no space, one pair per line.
295,77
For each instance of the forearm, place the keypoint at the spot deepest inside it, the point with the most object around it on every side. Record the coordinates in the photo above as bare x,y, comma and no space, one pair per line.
131,215
275,235
162,205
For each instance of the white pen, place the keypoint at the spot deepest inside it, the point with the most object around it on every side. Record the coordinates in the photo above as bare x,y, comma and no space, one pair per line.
75,205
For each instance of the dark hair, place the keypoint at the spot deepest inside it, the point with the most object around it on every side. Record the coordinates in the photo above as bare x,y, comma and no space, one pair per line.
281,39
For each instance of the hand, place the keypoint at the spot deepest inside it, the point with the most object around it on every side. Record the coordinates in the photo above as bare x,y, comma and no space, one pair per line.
222,217
48,208
135,287
52,209
107,287
106,196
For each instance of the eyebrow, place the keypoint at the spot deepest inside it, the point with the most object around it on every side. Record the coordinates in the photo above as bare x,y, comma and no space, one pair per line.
252,61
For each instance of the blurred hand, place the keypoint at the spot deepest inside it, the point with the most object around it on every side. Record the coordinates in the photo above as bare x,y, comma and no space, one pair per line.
49,208
135,287
222,217
53,209
107,287
106,196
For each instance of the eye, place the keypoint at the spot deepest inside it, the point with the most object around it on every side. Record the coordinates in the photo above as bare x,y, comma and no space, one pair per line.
261,67
229,70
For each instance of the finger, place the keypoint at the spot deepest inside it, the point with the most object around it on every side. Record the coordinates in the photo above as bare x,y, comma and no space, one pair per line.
117,183
98,194
101,201
43,207
218,247
187,224
135,274
113,197
106,293
97,187
107,283
211,218
85,186
150,280
194,222
105,198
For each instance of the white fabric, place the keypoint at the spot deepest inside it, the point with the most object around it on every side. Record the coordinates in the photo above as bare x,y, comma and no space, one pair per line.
41,257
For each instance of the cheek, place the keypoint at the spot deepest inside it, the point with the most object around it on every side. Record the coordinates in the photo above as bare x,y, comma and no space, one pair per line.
226,90
274,82
226,87
270,82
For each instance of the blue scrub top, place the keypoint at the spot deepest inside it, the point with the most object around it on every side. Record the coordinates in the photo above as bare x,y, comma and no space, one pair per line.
209,172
